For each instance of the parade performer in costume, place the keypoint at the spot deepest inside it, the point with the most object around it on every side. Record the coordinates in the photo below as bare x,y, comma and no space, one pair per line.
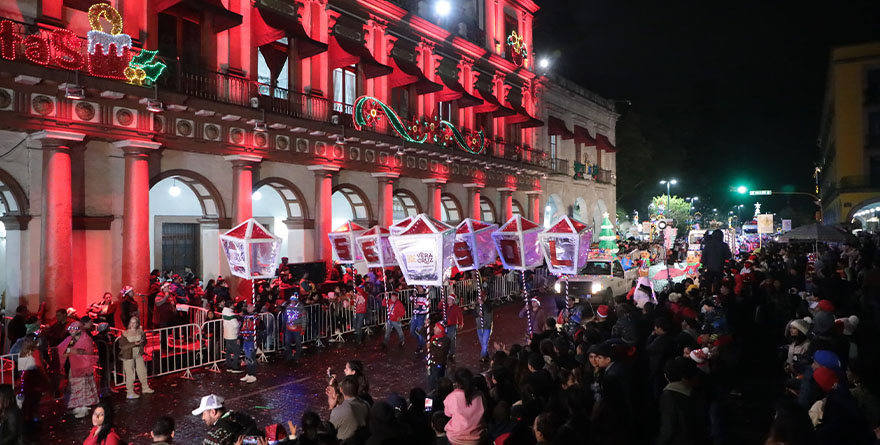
644,293
294,320
438,353
483,313
455,322
79,350
537,317
396,312
644,263
693,264
421,307
250,325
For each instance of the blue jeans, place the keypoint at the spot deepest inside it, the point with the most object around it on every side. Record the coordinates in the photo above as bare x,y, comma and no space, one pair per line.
483,336
250,356
291,337
452,332
417,322
389,325
233,351
434,374
359,326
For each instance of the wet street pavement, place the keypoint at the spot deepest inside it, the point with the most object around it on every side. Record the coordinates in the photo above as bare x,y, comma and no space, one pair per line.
282,391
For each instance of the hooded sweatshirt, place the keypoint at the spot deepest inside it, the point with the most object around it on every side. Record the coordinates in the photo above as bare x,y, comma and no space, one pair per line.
230,324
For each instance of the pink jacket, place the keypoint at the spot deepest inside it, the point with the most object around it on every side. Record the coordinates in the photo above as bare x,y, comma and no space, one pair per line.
465,422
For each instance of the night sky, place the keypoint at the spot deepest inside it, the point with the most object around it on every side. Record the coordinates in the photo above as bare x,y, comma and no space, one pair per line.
721,93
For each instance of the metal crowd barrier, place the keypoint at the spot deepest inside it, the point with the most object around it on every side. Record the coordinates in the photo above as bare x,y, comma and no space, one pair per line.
199,343
8,365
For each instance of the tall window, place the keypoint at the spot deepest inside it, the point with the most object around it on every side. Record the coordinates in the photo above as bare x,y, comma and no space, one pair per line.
182,43
444,109
510,23
483,121
554,141
344,89
400,101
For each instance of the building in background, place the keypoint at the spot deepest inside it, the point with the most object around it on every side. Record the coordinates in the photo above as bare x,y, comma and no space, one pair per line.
105,174
849,137
580,141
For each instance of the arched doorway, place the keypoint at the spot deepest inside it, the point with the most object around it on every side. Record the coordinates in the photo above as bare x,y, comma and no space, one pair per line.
866,213
280,206
487,211
599,209
14,217
580,211
185,214
450,209
404,205
349,203
552,210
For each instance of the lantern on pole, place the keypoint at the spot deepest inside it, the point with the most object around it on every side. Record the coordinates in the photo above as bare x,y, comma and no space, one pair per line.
344,243
473,244
375,248
517,245
398,227
424,250
251,251
566,247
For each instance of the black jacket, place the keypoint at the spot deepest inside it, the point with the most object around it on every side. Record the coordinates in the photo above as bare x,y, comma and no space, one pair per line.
678,412
715,253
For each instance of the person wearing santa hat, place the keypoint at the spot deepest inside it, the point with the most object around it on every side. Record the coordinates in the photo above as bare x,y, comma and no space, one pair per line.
438,354
837,417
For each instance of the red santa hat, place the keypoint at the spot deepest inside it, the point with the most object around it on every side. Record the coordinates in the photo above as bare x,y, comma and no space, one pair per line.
825,378
602,311
700,355
826,305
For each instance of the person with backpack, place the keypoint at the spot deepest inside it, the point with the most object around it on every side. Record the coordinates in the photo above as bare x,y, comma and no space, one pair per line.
294,320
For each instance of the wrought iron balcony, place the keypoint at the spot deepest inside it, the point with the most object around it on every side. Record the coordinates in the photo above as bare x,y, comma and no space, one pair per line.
560,167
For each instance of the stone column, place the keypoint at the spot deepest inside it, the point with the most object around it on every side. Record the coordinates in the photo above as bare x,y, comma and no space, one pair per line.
243,167
473,206
435,188
386,197
136,218
534,197
506,202
323,210
56,247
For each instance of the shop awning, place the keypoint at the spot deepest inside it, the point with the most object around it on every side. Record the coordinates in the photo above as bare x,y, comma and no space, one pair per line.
523,117
406,73
556,126
582,136
453,90
273,20
492,105
346,52
603,143
193,9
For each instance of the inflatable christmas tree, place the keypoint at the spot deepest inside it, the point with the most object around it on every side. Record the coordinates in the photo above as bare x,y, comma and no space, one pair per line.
607,238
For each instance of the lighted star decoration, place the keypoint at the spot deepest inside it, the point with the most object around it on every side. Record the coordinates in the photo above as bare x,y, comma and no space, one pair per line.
757,208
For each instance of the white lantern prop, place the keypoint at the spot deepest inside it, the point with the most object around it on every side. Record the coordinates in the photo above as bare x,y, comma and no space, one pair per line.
398,227
517,244
473,244
424,250
566,246
251,250
344,243
375,248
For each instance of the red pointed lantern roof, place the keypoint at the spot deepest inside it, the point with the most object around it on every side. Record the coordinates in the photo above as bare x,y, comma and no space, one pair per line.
473,223
375,230
349,227
568,225
517,224
424,224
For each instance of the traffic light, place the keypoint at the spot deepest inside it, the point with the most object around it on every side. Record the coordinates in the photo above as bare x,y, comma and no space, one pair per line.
742,190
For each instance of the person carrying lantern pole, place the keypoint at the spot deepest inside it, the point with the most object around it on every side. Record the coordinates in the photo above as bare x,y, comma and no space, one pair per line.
438,354
294,320
396,312
483,311
454,322
250,325
421,308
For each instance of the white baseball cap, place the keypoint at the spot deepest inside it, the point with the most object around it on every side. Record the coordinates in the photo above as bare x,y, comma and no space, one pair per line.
209,401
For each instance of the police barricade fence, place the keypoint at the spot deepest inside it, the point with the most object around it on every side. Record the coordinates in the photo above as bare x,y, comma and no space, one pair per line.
200,343
8,368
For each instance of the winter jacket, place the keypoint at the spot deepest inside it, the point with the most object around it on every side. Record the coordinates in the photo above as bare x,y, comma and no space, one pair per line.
230,324
715,252
487,314
454,316
294,317
396,310
842,421
678,412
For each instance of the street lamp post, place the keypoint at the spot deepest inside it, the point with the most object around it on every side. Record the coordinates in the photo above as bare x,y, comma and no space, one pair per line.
690,201
668,183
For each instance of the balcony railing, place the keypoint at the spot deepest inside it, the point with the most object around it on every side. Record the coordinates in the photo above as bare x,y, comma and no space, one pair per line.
559,166
605,176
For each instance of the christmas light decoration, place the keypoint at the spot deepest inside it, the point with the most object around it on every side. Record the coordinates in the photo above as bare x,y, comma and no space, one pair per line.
518,50
107,55
368,112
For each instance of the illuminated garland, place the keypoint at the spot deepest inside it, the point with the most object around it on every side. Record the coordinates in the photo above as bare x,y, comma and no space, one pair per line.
368,112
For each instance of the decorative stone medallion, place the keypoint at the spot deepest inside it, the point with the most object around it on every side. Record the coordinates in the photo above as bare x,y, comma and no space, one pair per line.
43,105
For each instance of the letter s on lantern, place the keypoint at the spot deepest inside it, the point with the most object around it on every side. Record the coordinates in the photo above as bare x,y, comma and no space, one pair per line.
510,252
463,254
